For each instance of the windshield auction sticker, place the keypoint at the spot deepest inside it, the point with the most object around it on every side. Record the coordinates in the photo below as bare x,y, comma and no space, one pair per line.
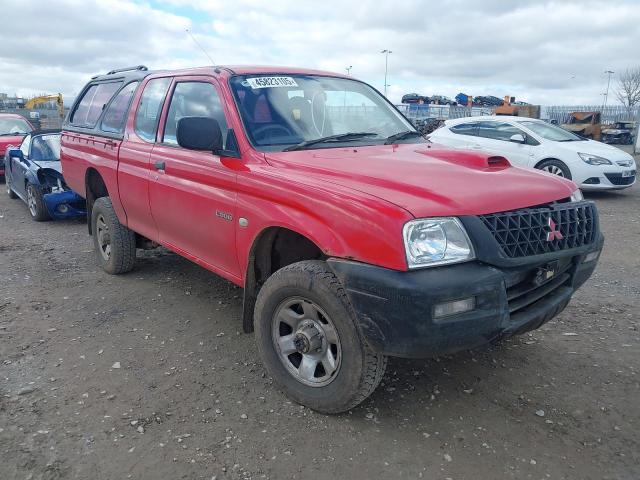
270,82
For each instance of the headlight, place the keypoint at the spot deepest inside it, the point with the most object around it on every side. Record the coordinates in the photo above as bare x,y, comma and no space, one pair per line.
594,159
436,241
577,196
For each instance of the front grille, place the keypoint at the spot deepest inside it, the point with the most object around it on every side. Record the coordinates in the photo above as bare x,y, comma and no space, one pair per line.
618,179
526,232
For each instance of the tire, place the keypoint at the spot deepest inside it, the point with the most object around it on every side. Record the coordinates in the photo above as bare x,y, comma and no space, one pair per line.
115,244
556,167
10,192
309,293
36,205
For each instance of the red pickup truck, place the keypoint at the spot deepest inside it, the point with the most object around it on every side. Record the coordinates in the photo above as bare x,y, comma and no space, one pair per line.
353,237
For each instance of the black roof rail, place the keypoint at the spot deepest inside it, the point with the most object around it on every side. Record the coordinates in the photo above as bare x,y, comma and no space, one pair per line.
141,68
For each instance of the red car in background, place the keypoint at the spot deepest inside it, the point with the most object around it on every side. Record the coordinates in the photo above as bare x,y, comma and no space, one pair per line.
13,128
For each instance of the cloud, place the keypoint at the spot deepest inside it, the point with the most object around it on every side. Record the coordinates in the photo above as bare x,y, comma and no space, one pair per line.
57,46
543,52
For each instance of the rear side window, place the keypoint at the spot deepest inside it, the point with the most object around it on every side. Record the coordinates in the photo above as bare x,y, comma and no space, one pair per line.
92,104
465,129
148,113
116,114
193,99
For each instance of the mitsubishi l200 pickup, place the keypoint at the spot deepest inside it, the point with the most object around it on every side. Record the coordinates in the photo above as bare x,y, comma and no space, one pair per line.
353,237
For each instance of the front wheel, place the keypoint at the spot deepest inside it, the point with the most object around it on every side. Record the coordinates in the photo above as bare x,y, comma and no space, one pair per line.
555,167
37,208
115,244
308,339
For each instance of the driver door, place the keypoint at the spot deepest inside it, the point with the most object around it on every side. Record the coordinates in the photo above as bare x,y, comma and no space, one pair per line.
192,193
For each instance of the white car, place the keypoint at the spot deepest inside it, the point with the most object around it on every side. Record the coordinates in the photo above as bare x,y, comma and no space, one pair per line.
527,142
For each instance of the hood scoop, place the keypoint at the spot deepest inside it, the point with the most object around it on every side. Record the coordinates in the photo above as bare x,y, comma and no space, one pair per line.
467,159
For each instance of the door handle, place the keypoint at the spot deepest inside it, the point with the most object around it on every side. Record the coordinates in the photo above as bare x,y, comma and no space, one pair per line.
159,165
476,147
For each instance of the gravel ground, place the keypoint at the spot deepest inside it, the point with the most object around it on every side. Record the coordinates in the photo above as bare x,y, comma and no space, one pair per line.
148,375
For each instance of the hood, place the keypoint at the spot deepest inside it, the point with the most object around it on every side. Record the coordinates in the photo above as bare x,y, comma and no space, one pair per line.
595,148
52,165
6,140
424,179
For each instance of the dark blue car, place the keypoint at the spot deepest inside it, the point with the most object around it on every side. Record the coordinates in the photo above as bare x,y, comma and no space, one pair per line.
34,174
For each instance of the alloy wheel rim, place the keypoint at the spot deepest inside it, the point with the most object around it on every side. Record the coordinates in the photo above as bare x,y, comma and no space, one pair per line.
554,169
306,341
31,201
104,238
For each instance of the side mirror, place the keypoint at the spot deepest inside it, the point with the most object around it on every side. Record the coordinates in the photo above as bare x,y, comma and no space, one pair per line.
199,133
517,138
16,154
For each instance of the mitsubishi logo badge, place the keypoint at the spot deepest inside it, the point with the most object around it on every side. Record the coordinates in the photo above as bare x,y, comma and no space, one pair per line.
553,234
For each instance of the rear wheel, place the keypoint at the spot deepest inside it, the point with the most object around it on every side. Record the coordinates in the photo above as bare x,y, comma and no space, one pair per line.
115,244
36,205
555,167
309,341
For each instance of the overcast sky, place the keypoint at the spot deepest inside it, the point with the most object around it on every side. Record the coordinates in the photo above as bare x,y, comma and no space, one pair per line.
539,51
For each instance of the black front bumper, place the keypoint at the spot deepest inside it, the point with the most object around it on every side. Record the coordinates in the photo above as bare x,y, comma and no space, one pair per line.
395,310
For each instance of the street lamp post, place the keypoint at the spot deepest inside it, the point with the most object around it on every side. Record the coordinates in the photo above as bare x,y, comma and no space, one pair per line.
349,70
606,95
386,68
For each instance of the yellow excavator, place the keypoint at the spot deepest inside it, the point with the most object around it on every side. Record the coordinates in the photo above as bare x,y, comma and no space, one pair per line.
32,102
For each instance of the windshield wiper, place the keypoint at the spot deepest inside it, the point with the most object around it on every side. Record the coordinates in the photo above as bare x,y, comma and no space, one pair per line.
331,138
402,136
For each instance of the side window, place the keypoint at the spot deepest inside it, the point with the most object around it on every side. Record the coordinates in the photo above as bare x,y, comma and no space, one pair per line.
465,129
116,114
92,104
148,113
532,141
193,99
24,147
79,115
498,131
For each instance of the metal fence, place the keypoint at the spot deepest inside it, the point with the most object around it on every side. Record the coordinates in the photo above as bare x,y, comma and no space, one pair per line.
442,112
559,113
608,114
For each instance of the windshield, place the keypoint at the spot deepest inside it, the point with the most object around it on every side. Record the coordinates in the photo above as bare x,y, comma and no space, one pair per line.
45,148
551,132
282,111
14,126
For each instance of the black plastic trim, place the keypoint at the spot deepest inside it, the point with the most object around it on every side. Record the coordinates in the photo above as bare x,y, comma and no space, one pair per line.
394,309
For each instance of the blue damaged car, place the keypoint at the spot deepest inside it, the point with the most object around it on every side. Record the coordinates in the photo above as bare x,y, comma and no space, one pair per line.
33,173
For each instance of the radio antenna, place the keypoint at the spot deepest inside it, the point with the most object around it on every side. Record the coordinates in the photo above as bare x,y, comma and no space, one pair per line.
199,46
